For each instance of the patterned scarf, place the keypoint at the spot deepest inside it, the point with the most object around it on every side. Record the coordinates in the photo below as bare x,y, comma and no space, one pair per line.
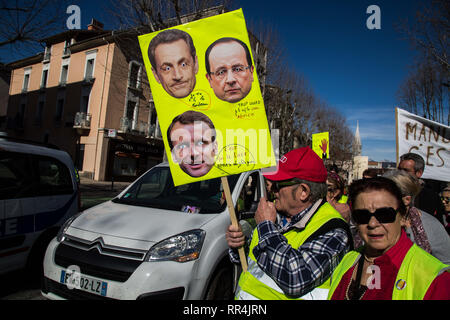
420,237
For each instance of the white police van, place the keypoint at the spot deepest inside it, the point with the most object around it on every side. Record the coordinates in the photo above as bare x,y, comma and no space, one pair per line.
38,193
153,241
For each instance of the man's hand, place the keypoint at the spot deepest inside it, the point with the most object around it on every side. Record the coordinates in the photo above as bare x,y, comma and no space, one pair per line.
235,237
266,211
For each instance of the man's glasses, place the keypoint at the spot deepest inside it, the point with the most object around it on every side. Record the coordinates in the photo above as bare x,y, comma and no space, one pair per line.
445,199
383,215
278,185
236,70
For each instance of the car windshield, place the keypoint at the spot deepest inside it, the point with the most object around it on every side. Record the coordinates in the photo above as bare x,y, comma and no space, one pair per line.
155,189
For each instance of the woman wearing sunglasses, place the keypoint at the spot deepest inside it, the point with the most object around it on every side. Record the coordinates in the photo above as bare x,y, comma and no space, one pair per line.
389,266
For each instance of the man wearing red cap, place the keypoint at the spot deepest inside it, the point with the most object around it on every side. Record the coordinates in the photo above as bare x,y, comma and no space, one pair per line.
299,238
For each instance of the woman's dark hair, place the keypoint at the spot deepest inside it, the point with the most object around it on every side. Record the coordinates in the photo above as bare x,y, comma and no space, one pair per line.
377,184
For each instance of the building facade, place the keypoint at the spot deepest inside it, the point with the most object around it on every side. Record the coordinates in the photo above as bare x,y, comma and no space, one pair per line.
86,94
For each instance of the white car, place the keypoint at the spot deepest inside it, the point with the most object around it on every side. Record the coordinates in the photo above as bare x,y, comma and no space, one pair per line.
153,241
38,193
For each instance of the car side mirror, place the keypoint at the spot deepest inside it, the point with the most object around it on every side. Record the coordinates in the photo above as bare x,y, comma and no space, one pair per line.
250,213
243,215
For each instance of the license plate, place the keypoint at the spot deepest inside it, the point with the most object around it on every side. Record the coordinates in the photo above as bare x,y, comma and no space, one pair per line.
75,280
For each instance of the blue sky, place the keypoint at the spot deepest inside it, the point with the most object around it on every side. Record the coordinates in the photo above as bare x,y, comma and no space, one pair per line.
354,69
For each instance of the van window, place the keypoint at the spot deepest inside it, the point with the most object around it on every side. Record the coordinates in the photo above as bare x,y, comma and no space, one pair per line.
15,176
155,189
53,177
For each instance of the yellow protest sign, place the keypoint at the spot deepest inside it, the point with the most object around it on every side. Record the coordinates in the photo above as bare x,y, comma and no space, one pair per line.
321,144
208,99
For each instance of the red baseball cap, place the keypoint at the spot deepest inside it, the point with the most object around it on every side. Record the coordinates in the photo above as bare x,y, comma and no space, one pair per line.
301,163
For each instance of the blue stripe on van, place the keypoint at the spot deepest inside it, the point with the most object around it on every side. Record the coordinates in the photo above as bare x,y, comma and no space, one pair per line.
44,220
35,222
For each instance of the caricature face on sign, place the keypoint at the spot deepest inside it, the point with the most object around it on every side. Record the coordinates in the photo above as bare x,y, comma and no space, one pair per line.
208,98
229,69
174,62
193,143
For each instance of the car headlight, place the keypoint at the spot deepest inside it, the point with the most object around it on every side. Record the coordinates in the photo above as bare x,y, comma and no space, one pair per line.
180,248
65,226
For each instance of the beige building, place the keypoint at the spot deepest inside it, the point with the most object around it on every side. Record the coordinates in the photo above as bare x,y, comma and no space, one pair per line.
360,163
88,94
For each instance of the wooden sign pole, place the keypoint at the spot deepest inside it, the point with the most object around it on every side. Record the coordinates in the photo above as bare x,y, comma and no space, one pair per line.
234,221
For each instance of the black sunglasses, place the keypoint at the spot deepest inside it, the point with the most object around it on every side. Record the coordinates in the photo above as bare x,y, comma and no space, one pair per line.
383,215
278,185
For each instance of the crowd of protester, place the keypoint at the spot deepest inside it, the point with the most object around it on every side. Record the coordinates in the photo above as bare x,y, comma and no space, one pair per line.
379,238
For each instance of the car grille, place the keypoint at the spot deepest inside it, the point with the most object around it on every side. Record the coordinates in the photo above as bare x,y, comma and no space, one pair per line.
109,250
92,260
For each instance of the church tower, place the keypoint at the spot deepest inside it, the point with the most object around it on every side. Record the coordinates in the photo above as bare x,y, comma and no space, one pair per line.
357,146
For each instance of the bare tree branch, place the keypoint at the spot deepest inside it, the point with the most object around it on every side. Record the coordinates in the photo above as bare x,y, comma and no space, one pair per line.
25,23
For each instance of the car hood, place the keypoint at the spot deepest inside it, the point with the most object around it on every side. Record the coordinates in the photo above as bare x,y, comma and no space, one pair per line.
138,223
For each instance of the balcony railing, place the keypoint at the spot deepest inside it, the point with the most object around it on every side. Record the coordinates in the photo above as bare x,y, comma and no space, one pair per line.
142,128
82,120
88,80
125,125
66,52
47,55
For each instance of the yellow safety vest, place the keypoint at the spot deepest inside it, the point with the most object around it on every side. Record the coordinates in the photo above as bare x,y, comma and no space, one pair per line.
343,199
417,272
255,284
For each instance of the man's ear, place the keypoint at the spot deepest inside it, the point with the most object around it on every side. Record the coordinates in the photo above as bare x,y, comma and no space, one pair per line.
303,192
215,148
156,75
419,174
208,76
195,65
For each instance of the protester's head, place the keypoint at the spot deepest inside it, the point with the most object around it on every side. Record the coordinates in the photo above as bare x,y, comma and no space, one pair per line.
445,196
335,186
378,211
174,62
299,181
412,163
369,173
229,69
192,140
408,184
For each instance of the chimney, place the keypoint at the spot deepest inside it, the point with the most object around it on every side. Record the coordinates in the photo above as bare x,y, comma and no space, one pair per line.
95,25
